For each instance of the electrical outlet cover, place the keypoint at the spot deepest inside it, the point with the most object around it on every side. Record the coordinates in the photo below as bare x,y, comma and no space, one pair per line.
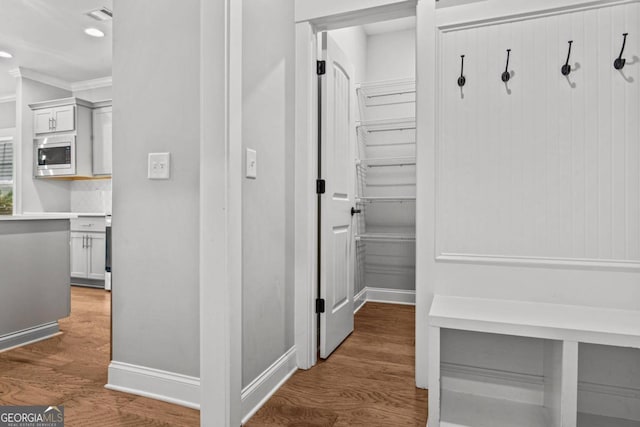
159,166
252,164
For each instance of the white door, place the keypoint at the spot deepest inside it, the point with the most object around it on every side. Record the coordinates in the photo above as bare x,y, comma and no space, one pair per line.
337,127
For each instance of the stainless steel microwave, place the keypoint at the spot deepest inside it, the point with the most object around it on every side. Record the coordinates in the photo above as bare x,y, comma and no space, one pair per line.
55,156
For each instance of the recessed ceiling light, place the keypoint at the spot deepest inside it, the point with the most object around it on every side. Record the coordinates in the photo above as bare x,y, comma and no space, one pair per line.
4,54
94,32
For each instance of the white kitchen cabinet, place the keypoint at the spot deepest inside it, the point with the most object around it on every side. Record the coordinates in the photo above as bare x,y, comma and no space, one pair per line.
79,266
88,255
54,119
88,248
69,118
102,125
96,244
89,122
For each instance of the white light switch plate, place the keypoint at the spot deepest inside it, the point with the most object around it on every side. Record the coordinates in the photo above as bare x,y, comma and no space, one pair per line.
159,166
252,164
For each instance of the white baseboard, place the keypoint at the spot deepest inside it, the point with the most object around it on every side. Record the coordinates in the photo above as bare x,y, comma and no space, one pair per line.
598,399
391,296
383,295
493,383
266,384
617,402
154,383
29,336
359,300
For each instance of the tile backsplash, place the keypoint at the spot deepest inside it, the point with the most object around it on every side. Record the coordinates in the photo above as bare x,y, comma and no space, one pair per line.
91,196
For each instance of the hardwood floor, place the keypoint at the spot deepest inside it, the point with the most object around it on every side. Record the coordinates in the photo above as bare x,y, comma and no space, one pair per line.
368,381
71,370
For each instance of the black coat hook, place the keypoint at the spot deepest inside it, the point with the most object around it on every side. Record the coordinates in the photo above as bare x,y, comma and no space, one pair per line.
462,80
566,68
618,64
506,76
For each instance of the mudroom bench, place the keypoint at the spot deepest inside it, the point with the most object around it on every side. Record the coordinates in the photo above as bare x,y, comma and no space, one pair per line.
563,332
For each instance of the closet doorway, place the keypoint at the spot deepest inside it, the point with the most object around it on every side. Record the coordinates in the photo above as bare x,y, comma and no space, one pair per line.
366,172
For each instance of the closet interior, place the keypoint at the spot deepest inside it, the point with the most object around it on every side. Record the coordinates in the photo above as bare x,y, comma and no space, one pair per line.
383,56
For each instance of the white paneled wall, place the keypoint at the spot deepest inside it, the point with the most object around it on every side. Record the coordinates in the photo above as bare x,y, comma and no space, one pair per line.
540,173
391,56
544,167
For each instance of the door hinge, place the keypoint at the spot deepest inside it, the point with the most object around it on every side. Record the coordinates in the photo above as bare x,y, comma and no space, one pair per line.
320,186
321,67
320,305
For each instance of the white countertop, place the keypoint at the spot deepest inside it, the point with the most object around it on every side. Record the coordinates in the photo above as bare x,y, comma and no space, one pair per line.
67,214
30,216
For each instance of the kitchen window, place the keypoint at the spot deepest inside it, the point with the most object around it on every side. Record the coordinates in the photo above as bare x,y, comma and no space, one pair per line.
6,175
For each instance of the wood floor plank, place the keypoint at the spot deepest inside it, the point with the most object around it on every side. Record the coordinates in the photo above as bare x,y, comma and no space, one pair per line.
368,381
71,370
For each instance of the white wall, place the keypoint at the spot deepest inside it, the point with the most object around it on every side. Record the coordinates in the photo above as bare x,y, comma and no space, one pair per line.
8,132
95,94
7,114
308,10
548,177
391,56
155,227
353,42
156,105
35,195
268,226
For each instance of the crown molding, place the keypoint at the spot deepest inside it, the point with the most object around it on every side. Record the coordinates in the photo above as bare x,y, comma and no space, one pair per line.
40,77
92,84
62,84
8,98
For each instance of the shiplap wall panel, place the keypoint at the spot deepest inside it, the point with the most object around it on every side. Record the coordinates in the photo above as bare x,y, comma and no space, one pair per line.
632,130
544,166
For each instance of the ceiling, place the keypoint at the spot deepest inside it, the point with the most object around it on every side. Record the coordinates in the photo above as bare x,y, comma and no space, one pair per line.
401,24
48,37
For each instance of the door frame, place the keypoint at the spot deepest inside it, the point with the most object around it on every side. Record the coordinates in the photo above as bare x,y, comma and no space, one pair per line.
306,160
220,212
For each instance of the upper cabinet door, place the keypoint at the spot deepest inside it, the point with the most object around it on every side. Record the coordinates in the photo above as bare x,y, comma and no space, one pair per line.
64,118
42,121
102,141
55,119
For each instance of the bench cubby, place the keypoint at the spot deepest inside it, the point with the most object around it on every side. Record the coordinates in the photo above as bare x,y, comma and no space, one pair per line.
609,386
561,332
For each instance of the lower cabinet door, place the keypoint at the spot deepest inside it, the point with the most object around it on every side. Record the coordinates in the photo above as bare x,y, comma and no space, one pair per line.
78,255
97,255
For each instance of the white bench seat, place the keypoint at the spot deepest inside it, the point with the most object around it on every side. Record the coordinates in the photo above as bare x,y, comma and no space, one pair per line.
562,327
540,320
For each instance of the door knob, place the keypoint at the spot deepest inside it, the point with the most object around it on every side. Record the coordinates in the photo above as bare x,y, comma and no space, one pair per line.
355,211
